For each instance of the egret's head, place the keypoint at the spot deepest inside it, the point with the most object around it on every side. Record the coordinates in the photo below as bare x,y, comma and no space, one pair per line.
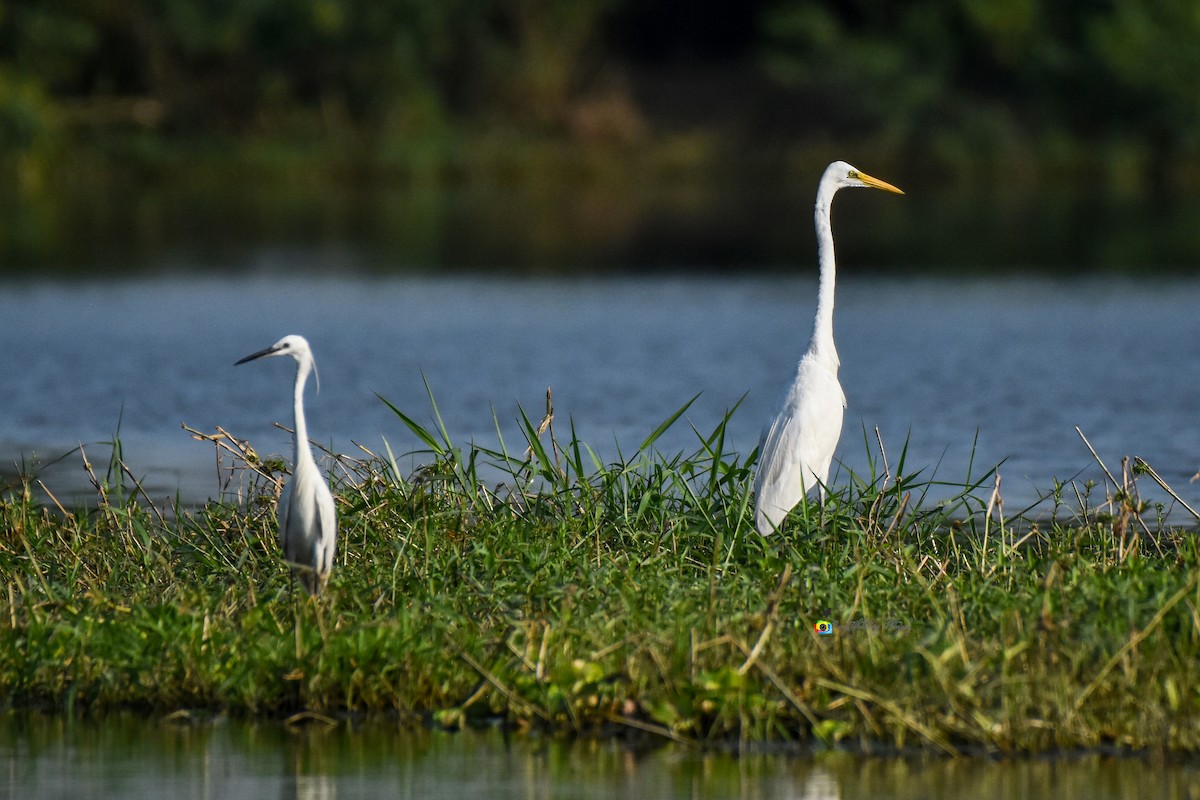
294,346
845,176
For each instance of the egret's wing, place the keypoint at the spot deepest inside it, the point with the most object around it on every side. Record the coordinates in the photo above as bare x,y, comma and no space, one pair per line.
798,447
325,543
299,520
285,520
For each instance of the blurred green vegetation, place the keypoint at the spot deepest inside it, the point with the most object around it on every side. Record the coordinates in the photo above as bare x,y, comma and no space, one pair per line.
442,89
1103,85
553,135
532,586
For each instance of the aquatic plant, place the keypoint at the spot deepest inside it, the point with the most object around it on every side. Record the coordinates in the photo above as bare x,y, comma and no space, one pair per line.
542,587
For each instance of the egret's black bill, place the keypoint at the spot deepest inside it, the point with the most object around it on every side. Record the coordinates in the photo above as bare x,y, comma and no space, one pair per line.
266,351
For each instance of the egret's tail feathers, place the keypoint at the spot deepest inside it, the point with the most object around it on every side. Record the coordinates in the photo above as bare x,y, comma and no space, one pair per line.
767,523
769,516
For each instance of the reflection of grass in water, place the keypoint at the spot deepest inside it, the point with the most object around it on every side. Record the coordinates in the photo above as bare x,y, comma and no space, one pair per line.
623,597
496,202
519,202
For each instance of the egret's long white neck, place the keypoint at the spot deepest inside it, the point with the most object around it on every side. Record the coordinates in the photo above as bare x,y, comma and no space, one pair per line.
302,451
822,345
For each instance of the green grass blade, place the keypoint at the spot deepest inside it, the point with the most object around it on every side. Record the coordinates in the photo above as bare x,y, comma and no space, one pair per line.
666,425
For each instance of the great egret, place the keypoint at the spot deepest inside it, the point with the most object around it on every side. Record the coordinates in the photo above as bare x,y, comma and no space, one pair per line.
307,520
798,447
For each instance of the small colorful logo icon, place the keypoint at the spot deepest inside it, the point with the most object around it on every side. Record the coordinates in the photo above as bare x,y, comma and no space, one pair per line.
823,627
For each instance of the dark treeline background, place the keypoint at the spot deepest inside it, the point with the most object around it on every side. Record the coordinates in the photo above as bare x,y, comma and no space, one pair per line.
443,92
953,82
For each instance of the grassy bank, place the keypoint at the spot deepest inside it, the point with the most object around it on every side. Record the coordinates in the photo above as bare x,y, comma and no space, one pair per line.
531,583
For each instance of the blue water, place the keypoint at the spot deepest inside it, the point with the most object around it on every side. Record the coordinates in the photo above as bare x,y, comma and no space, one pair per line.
965,370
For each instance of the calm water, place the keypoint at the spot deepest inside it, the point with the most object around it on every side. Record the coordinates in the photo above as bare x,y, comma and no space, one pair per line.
137,760
993,370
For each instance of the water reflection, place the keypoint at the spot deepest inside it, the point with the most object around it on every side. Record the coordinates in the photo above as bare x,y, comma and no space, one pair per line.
308,767
626,222
136,759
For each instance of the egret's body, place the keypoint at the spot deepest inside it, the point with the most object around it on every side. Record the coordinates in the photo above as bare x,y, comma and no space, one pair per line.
797,449
307,520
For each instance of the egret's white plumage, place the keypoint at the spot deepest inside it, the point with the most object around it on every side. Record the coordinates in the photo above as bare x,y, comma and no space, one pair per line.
798,447
307,520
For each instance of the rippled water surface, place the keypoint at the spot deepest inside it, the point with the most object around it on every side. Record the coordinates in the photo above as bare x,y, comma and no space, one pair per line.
966,371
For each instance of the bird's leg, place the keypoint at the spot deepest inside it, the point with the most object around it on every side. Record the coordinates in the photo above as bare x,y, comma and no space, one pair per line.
296,617
318,602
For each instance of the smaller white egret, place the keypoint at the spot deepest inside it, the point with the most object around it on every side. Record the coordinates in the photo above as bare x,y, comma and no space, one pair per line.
798,447
307,520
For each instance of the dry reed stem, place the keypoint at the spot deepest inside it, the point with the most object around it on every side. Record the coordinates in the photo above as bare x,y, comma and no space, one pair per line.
1134,640
1140,464
933,737
769,614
